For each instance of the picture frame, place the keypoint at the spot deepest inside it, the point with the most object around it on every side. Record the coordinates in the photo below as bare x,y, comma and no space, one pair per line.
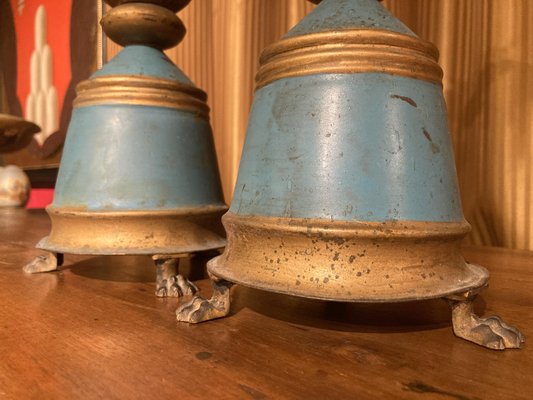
47,47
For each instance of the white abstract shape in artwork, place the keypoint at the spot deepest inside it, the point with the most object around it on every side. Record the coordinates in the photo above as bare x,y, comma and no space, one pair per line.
41,103
20,6
40,27
51,124
40,109
30,107
46,68
35,71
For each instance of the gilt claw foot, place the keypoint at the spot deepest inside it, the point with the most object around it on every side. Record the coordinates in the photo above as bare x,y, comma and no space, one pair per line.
45,263
493,333
199,309
175,286
490,332
168,282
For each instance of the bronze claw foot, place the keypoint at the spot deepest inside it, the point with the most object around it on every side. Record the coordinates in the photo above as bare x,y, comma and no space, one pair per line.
490,332
199,309
168,282
46,263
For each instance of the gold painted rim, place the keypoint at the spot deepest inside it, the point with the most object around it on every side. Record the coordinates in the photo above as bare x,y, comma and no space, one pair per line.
141,90
182,230
360,229
347,261
348,52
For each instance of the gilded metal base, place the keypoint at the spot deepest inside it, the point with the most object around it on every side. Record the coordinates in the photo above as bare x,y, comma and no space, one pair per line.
168,282
352,261
347,261
168,235
134,232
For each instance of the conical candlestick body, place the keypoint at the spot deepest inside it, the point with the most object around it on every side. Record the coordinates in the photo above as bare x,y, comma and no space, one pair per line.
139,172
347,186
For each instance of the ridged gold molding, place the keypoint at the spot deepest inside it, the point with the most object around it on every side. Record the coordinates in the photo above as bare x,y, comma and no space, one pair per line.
348,52
134,232
139,90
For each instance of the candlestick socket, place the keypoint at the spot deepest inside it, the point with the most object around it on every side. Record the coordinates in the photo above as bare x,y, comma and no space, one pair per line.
173,5
143,24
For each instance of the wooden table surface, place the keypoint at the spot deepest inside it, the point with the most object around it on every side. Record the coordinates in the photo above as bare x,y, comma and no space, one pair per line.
95,330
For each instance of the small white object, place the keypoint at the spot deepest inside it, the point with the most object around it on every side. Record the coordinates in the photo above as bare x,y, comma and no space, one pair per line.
14,187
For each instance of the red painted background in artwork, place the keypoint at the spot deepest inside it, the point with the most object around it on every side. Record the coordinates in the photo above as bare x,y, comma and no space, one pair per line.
40,198
57,36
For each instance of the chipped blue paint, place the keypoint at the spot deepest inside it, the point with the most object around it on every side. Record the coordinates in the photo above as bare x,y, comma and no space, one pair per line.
369,147
348,14
130,157
141,60
127,157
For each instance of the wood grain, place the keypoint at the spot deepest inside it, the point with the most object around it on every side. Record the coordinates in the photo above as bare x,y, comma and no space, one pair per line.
95,330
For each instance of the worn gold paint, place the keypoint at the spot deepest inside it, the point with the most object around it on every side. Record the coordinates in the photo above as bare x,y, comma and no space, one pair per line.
134,232
347,261
141,90
350,51
154,25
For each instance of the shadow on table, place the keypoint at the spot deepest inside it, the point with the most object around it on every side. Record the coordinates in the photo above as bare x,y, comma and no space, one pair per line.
349,317
132,268
114,268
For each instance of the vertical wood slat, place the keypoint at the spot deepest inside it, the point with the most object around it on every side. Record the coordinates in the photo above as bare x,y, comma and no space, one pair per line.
486,52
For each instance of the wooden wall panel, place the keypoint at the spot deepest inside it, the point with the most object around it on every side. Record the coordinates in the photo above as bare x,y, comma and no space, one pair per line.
487,55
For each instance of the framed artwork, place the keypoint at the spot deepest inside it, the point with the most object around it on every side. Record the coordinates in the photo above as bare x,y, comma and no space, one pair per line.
46,48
